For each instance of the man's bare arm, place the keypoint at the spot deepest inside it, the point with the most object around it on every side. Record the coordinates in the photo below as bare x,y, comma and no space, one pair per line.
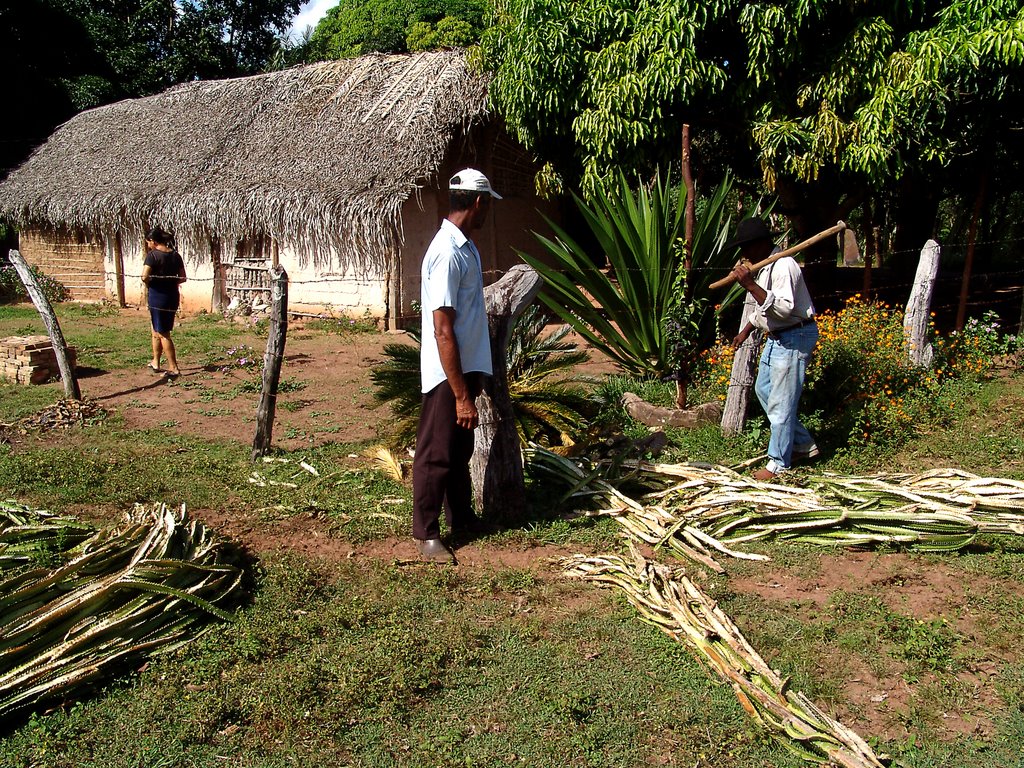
448,348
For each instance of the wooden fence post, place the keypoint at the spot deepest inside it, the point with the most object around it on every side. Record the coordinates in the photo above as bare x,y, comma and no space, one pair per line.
60,347
272,361
496,468
741,380
915,319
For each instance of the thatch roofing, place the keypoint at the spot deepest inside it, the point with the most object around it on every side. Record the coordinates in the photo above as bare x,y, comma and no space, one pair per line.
317,155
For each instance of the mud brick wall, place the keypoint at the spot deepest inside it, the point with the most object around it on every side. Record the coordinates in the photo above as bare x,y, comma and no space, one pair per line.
30,359
75,259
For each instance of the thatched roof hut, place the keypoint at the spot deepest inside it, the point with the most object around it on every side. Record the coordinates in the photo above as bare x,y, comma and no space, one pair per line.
320,159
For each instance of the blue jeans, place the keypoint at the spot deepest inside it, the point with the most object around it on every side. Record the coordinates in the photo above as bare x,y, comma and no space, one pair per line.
780,380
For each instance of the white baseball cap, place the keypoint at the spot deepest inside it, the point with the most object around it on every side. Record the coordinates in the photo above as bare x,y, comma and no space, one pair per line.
472,180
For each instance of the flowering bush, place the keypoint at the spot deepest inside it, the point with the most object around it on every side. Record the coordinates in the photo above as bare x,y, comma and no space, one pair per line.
970,352
12,289
862,385
711,373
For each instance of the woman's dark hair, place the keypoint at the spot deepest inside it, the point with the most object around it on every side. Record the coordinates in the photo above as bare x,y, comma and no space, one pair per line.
161,237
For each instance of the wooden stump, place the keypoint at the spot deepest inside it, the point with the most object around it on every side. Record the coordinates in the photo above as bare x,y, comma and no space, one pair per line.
499,490
741,380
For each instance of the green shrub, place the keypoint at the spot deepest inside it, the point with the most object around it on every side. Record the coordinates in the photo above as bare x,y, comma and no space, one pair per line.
12,289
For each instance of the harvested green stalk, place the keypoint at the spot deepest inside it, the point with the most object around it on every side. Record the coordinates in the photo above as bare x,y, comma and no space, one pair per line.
149,586
668,599
34,536
699,510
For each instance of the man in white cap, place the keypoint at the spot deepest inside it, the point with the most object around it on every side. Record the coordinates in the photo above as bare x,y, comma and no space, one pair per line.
455,356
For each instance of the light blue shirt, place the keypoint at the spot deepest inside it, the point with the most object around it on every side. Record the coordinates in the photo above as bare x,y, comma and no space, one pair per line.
451,276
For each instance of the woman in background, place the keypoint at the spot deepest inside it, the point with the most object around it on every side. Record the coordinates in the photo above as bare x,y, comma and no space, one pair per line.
162,273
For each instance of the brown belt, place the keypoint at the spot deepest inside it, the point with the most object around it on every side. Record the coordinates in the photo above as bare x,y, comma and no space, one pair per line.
775,334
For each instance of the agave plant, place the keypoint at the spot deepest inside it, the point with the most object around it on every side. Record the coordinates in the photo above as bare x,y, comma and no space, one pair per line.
626,311
549,402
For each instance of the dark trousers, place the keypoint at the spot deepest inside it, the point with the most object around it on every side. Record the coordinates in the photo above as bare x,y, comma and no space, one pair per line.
440,471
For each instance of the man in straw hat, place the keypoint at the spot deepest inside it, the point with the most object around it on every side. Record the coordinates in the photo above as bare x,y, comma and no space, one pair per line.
455,356
779,304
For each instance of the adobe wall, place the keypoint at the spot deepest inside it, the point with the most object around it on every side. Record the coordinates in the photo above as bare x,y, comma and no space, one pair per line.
75,258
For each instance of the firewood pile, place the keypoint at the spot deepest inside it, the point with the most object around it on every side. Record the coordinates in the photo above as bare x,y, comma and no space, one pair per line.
64,414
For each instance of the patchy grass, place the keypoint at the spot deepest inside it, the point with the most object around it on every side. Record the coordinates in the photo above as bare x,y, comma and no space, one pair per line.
107,339
375,664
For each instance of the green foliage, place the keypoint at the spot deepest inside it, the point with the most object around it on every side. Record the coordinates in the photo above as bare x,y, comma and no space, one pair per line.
549,403
447,33
626,312
607,81
12,289
397,383
355,27
837,100
549,406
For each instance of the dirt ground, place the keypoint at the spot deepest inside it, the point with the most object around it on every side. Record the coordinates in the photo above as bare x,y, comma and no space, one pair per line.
335,404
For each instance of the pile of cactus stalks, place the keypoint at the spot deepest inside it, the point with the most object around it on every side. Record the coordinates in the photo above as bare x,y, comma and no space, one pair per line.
113,599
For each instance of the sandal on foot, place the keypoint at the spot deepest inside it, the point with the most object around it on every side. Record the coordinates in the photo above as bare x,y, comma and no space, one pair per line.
154,369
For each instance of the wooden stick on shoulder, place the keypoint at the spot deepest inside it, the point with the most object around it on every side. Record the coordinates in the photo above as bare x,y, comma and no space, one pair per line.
839,227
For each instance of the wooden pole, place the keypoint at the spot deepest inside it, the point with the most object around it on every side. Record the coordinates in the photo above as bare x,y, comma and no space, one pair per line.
915,319
496,468
813,240
60,347
691,201
119,270
689,218
272,362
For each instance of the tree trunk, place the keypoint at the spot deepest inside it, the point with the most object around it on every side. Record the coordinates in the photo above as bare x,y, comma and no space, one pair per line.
60,347
272,362
972,237
499,490
915,319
